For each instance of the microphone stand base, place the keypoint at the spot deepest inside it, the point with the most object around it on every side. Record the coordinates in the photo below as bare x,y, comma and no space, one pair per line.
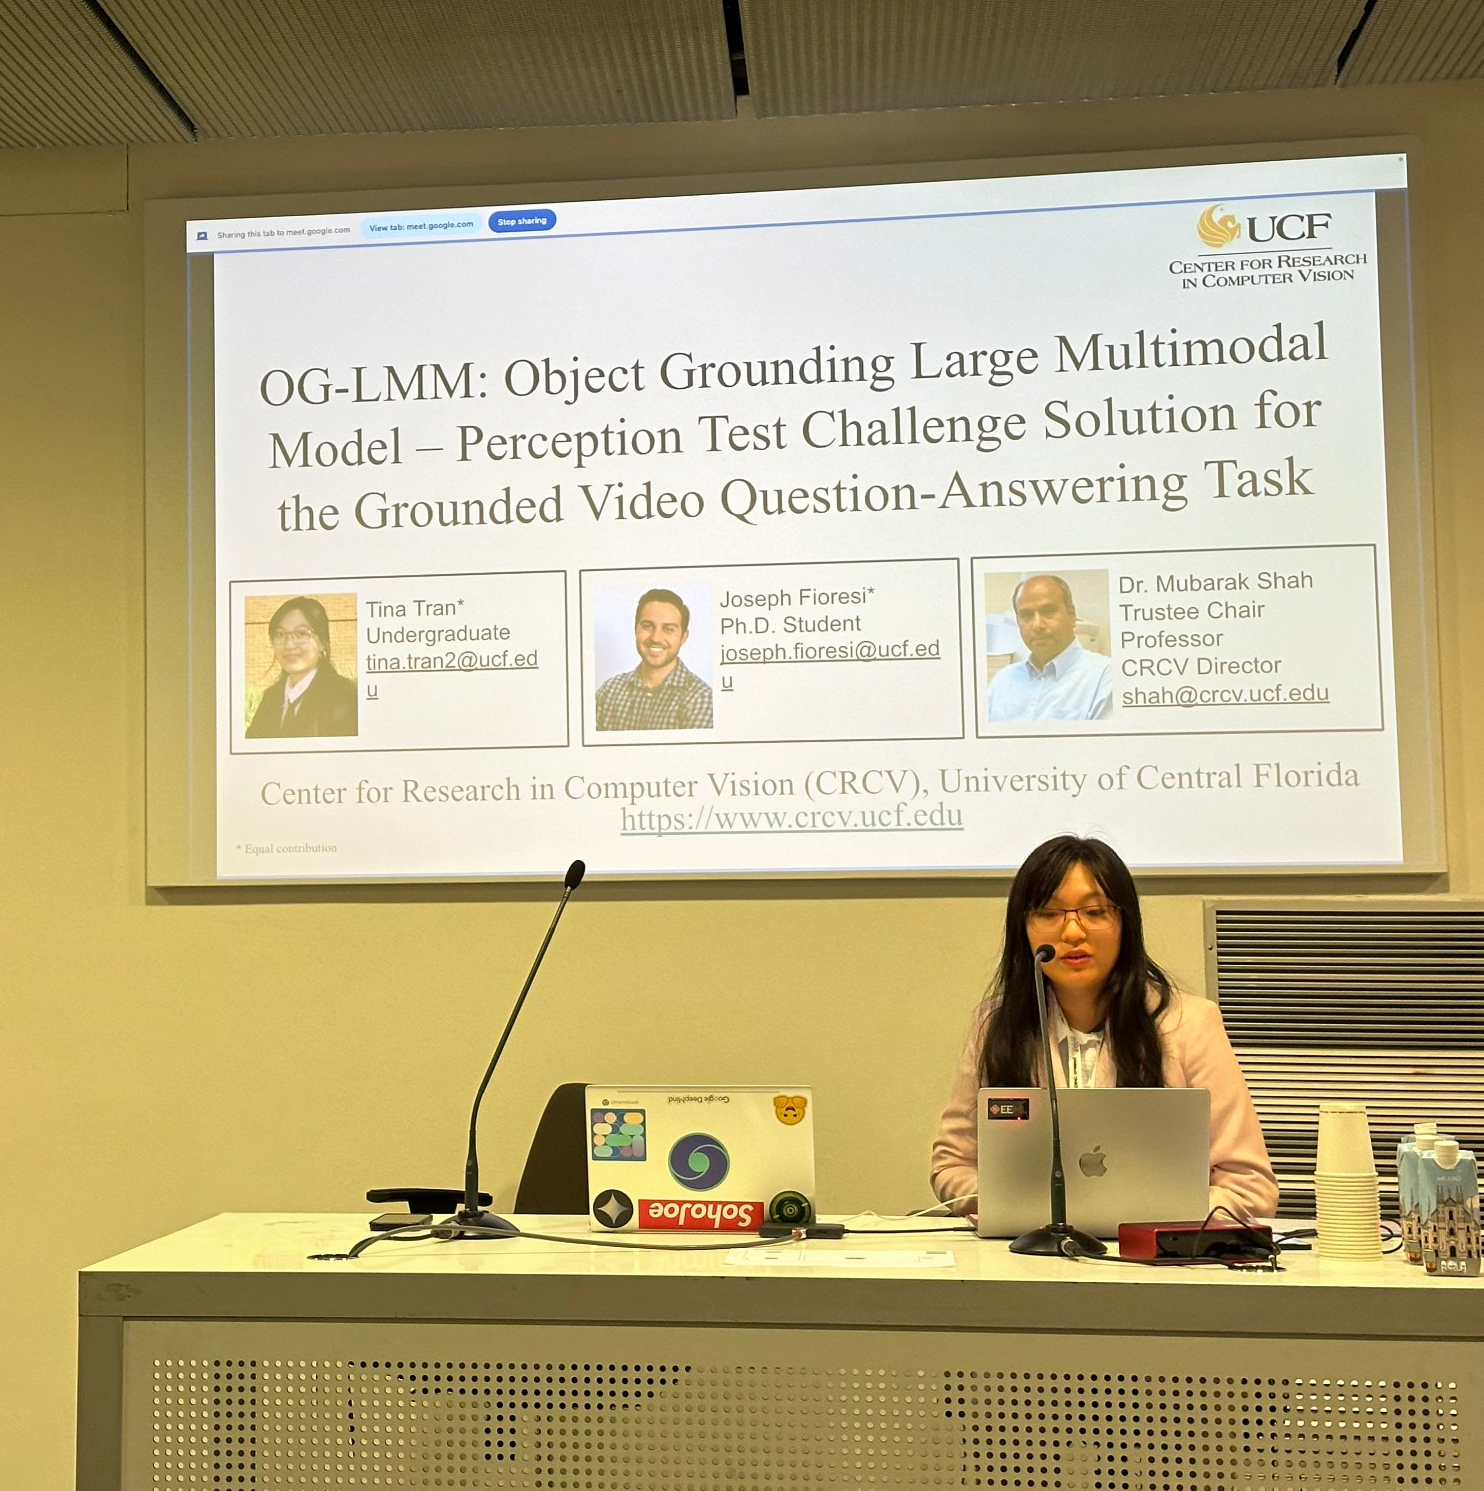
461,1226
1058,1239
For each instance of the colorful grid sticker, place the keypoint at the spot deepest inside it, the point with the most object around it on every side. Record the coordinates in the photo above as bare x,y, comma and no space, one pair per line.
617,1135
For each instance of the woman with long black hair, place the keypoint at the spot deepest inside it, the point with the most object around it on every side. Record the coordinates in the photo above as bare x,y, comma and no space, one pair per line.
1115,1020
308,697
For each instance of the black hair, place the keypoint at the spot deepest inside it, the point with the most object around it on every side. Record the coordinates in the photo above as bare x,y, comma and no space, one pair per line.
314,614
669,598
1011,1042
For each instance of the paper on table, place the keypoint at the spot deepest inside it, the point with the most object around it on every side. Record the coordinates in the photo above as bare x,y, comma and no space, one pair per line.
805,1257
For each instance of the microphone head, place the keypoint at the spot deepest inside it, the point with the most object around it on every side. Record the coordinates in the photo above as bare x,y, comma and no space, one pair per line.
1045,953
575,871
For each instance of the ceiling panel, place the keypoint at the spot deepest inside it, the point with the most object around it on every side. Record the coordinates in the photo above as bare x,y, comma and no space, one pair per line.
254,68
65,81
1407,41
846,56
243,69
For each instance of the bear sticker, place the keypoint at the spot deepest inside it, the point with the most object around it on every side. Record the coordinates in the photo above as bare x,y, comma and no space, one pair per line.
789,1110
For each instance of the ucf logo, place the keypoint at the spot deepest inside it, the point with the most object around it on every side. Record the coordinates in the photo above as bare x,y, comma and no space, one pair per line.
1218,228
1218,231
1287,227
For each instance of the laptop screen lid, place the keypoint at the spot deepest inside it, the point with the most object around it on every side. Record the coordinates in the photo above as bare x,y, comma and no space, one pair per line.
710,1159
1128,1153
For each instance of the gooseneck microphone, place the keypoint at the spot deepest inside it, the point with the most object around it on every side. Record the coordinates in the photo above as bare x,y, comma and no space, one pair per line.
1056,1237
470,1214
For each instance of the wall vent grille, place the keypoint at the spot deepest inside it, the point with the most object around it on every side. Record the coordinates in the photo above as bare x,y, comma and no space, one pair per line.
1376,1002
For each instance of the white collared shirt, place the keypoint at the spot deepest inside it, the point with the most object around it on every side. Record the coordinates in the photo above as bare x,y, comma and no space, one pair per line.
1079,1049
1074,685
293,691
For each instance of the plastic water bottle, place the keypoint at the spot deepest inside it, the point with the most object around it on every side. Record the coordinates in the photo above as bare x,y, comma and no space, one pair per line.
1423,1136
1448,1208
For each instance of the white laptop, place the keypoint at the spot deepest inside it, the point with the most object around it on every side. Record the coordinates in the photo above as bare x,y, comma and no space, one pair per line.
703,1159
1129,1154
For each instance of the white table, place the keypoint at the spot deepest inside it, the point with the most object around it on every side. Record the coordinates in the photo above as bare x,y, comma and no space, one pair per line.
221,1357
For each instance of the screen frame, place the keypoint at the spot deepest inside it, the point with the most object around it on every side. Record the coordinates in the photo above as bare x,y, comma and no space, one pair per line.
180,776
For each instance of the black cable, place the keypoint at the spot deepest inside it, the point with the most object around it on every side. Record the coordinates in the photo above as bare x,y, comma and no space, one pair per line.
1297,1232
642,1247
1273,1250
421,1232
1296,1240
1070,1250
903,1231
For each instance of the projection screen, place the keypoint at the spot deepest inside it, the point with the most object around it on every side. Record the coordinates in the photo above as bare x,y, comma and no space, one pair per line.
858,529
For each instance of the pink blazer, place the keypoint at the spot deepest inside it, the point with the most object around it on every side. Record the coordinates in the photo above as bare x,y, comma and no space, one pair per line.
1197,1053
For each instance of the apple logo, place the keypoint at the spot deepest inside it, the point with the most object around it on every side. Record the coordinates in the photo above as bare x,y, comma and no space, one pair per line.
1094,1162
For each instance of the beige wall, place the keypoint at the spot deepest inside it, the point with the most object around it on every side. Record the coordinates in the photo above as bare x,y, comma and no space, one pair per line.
149,1078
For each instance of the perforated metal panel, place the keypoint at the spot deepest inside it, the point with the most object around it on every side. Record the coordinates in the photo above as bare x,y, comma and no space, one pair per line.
1418,41
833,56
1138,1431
253,68
250,68
65,81
634,1408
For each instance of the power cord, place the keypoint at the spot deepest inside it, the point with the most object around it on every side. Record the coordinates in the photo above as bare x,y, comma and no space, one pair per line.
1298,1238
927,1211
847,1230
421,1232
906,1231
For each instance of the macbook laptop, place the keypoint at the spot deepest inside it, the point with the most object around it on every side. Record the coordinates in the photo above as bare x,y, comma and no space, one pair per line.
1130,1154
703,1159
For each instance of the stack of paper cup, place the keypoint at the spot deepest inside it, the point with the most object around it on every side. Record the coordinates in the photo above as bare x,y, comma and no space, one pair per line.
1347,1190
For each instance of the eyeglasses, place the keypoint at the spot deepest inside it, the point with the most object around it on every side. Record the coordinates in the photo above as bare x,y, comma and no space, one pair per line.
1091,918
282,638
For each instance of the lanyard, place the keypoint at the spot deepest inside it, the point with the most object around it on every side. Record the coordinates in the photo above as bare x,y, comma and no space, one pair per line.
1077,1073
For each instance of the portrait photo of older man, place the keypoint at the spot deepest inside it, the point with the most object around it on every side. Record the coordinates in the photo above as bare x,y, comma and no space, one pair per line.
1060,678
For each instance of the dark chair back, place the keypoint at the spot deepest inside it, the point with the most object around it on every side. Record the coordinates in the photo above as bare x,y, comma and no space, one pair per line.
555,1177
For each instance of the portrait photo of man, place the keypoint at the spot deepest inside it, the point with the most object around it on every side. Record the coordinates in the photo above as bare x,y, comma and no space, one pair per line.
1060,678
661,693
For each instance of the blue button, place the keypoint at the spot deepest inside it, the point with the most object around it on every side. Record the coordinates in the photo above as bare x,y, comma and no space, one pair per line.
523,220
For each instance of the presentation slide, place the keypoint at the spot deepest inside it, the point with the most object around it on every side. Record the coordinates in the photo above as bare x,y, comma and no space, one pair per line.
862,529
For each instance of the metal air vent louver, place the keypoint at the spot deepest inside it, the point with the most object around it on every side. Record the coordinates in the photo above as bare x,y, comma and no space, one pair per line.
1380,1002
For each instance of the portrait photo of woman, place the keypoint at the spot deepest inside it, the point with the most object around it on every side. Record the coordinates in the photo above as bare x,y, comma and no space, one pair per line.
307,696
